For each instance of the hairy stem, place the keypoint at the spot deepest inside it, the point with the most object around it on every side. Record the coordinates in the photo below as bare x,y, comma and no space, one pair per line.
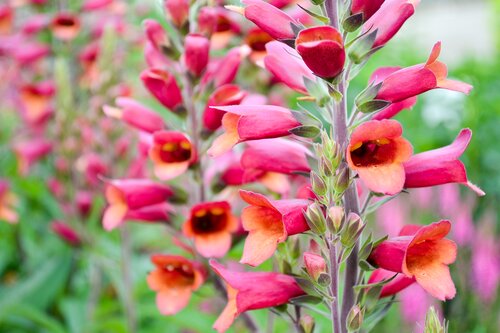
127,280
334,287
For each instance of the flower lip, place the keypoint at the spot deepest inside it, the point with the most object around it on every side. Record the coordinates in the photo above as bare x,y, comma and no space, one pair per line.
175,271
208,220
373,152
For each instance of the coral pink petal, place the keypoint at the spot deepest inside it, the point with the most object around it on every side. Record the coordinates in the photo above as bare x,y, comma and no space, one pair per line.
171,301
113,216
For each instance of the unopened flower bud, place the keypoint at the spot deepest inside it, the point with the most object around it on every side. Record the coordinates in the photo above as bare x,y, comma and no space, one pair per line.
326,167
433,323
315,265
318,185
336,155
307,323
342,179
354,319
352,230
315,218
335,219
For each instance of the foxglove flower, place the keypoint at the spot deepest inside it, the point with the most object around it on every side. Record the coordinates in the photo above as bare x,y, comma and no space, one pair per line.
136,115
392,287
65,26
268,223
29,152
35,100
163,86
315,264
270,19
228,94
196,53
376,152
177,11
66,233
366,7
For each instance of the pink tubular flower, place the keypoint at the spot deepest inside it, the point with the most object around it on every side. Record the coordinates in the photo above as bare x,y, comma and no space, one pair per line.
7,203
251,291
415,80
376,152
66,233
154,213
440,166
393,109
211,225
91,5
174,279
136,115
366,7
268,223
177,11
389,19
286,65
276,155
65,26
315,264
6,19
256,39
421,253
29,152
207,20
172,153
228,94
163,86
252,122
270,19
196,53
155,34
223,71
322,49
124,195
35,24
394,286
35,100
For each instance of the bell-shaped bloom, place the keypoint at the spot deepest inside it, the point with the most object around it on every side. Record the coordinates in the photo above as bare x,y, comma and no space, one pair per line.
177,11
172,153
286,65
392,287
276,155
251,291
93,167
256,39
268,223
66,233
136,115
207,20
124,195
65,26
174,280
211,225
440,166
366,7
315,264
252,122
29,53
226,27
389,19
393,109
196,53
322,49
155,34
159,213
91,5
270,19
415,80
423,253
163,86
376,152
29,152
223,71
35,101
228,94
35,24
7,203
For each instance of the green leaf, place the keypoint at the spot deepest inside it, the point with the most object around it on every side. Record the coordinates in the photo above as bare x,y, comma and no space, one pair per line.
353,22
37,317
305,299
373,106
322,18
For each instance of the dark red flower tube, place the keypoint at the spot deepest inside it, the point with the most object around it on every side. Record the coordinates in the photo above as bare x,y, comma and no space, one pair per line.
440,166
251,291
177,11
29,152
66,233
155,34
366,7
269,222
196,53
392,287
322,49
163,86
228,94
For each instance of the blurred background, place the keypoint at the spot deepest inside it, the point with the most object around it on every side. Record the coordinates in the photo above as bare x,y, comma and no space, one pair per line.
52,280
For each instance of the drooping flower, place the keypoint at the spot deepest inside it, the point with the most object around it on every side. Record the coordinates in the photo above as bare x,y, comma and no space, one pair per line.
415,80
252,122
268,223
66,233
174,280
7,203
421,252
124,195
322,49
228,94
251,291
366,7
177,11
392,287
35,101
286,65
211,225
65,26
440,166
196,53
270,19
223,71
389,19
136,115
30,151
172,153
376,152
163,86
155,34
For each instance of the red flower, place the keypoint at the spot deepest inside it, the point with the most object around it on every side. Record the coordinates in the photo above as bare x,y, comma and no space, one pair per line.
155,34
421,253
177,11
394,286
124,195
286,65
154,213
389,19
66,233
366,7
35,100
415,80
29,152
256,39
163,87
270,19
174,279
196,53
440,166
211,225
251,291
322,49
268,223
252,122
66,26
228,94
172,153
136,115
376,152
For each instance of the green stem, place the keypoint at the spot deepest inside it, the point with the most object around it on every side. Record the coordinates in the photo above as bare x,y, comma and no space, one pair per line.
128,296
